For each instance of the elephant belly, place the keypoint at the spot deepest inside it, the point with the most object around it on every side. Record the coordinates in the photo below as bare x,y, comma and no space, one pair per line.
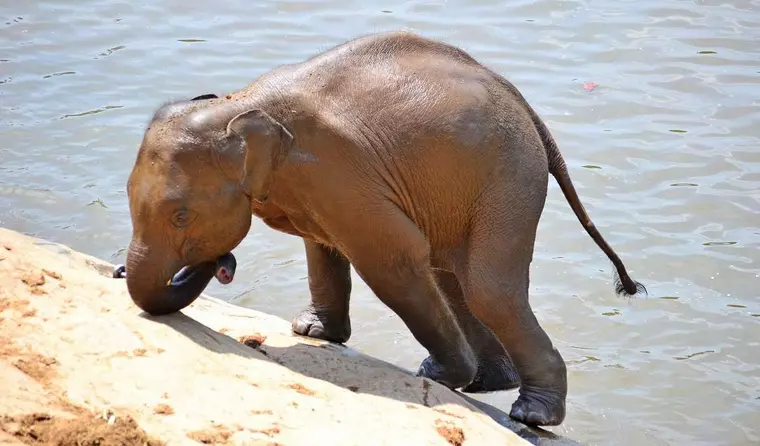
282,224
278,220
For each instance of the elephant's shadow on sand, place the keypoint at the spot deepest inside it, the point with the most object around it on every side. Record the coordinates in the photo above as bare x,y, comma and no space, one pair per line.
314,360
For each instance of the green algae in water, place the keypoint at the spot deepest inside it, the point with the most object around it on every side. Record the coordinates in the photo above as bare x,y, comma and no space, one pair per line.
708,52
92,112
614,312
677,131
112,50
682,358
582,348
98,202
584,359
62,73
118,252
591,166
718,243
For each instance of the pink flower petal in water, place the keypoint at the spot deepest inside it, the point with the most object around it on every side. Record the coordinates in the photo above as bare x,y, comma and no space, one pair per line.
588,86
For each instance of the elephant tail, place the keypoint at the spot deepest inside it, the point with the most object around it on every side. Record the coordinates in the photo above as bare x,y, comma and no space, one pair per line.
624,285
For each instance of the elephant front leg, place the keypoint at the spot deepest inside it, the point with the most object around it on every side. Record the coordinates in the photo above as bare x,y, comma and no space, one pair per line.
330,286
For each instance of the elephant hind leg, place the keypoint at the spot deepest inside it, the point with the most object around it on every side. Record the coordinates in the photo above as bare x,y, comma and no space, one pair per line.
392,256
495,283
495,369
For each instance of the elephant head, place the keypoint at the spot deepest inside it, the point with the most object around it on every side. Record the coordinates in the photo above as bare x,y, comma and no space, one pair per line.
199,167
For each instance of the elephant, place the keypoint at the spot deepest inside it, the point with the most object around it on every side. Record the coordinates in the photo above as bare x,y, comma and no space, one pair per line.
395,154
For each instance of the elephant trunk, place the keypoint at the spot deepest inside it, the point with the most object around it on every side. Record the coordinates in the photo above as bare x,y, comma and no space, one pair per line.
160,285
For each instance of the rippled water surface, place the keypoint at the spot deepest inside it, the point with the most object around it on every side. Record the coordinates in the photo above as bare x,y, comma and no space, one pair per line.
655,105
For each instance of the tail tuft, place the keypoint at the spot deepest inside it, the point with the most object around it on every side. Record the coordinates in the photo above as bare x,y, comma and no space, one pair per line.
624,285
628,287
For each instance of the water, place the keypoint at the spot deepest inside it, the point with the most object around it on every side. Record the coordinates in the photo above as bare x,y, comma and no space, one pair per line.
664,151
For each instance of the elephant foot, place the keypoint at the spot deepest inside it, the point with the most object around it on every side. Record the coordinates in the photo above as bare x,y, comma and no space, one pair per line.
538,408
494,374
451,377
322,325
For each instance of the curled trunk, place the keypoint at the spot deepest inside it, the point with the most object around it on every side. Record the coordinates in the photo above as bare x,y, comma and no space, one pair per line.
159,284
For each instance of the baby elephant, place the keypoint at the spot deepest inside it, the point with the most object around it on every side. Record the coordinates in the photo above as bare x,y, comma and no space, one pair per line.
396,154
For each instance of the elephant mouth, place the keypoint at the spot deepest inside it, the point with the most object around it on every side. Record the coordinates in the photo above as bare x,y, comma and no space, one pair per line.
224,271
225,268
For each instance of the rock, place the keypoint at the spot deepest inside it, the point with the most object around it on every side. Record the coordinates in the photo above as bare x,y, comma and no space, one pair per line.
81,364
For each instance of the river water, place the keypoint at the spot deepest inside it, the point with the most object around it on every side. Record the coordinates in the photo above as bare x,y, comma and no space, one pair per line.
654,105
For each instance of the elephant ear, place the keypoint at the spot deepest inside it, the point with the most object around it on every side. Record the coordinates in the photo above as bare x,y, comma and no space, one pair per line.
264,142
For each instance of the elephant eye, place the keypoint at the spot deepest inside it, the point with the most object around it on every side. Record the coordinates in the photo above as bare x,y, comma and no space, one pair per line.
181,218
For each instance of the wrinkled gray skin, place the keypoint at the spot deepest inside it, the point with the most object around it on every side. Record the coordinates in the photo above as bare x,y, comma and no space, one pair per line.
401,156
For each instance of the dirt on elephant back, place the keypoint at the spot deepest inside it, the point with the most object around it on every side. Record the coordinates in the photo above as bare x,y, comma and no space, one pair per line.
86,429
